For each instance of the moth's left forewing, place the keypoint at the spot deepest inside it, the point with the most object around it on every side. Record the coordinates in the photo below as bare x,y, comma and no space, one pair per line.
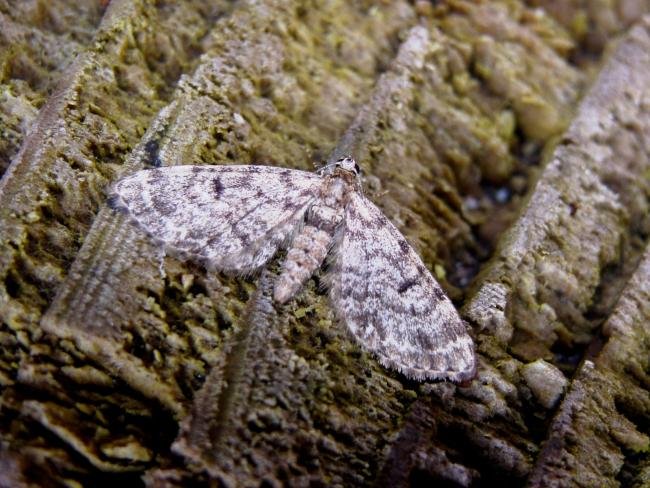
232,218
390,302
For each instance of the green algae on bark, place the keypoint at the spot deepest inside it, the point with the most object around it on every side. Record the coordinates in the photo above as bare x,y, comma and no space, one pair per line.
162,340
49,197
38,41
540,251
445,112
584,217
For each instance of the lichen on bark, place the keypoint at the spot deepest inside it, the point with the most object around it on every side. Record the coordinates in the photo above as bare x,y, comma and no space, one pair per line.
497,136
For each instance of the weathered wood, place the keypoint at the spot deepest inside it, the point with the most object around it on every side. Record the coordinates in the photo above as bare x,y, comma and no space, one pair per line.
589,212
109,347
597,436
102,103
37,44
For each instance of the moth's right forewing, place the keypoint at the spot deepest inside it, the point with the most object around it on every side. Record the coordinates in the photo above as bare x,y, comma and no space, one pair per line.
232,217
390,302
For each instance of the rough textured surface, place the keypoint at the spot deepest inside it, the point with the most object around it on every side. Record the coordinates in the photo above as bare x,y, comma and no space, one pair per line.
592,24
600,434
546,382
586,222
235,218
507,140
38,41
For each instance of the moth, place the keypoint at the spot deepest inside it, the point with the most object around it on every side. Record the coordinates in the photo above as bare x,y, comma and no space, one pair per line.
234,219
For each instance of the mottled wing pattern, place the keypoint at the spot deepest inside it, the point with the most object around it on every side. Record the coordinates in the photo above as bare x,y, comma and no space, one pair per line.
233,218
392,305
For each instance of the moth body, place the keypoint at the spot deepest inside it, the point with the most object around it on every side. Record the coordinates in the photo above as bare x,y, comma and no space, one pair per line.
312,243
234,219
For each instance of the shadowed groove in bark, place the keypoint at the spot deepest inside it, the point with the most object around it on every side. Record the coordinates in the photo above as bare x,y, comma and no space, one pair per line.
225,396
487,308
582,190
608,405
592,24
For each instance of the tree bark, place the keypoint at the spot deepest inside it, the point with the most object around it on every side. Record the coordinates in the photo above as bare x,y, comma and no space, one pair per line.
508,141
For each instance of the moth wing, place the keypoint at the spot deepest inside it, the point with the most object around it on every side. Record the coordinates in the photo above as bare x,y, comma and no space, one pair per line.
390,302
233,218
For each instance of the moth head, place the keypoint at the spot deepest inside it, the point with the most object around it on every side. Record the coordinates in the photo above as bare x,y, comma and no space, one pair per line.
348,164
